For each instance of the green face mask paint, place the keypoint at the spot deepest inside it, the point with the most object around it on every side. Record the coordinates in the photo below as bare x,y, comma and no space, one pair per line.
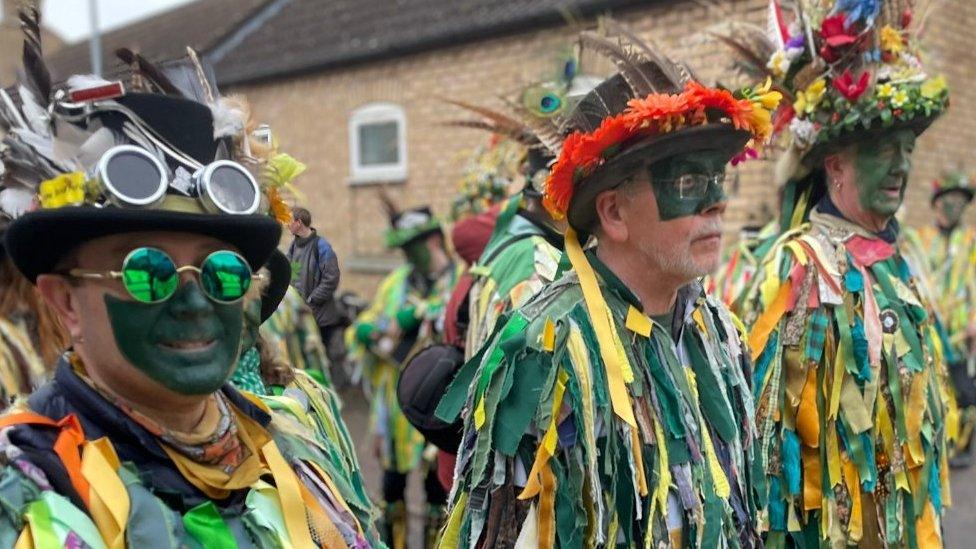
418,254
882,167
688,184
952,205
189,344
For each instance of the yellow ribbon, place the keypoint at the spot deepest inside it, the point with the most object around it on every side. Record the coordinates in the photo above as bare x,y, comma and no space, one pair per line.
290,496
547,447
722,488
599,313
108,499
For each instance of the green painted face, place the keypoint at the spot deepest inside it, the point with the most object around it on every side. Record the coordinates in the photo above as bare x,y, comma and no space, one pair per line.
951,206
688,184
882,167
188,343
418,254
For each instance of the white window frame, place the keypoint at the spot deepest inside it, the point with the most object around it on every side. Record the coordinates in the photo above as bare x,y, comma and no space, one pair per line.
384,173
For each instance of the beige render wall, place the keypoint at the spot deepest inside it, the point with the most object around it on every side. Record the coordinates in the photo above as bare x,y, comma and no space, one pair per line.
309,115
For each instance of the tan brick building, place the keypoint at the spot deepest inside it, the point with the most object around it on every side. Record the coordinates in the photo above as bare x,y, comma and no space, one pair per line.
307,66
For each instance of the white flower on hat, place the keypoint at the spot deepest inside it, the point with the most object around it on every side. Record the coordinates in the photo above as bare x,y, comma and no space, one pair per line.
804,133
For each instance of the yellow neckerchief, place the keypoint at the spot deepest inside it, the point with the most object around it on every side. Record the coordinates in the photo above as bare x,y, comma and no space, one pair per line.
212,480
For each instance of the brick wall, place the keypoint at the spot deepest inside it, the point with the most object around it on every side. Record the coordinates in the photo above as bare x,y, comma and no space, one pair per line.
310,117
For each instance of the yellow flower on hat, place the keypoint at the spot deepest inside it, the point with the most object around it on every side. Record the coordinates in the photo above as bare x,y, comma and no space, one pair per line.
808,100
64,190
885,90
891,40
778,63
933,87
899,98
768,99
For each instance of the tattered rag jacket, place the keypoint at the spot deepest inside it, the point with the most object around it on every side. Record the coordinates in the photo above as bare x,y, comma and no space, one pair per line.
852,404
560,450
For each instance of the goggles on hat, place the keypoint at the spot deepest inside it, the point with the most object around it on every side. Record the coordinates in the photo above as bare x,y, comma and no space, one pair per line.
131,176
151,276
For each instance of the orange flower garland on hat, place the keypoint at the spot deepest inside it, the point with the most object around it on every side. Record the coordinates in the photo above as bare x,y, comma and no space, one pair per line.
655,114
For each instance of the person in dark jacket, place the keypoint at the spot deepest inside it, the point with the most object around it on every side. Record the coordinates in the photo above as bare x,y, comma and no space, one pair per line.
317,278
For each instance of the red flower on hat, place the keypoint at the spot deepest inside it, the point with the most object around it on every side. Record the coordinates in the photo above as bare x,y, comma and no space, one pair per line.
850,89
835,37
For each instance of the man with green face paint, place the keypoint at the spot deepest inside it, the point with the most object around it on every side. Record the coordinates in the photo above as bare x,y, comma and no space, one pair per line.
403,318
944,258
138,440
613,408
853,403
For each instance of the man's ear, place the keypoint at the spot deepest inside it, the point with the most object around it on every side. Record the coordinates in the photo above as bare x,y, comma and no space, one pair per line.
57,293
608,209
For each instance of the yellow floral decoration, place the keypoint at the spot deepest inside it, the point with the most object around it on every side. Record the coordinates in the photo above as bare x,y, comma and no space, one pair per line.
891,40
933,87
807,100
64,190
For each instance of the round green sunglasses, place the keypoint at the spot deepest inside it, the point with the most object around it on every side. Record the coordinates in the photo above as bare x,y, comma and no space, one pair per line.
150,275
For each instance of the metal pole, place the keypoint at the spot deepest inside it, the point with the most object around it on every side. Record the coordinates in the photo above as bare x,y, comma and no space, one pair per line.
95,41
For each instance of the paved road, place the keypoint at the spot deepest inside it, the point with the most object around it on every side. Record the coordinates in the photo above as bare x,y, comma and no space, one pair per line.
960,522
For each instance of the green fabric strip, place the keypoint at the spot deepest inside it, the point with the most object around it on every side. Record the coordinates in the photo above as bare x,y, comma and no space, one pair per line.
205,525
42,529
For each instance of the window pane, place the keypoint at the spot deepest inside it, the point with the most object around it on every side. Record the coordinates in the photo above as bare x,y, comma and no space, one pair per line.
378,144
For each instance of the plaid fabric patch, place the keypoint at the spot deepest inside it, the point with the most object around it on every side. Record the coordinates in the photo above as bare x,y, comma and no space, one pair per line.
816,331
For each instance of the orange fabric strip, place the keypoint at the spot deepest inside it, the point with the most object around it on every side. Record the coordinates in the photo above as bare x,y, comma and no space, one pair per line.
768,320
66,446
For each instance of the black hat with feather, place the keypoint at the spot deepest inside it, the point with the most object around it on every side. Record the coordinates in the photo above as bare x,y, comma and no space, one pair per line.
59,191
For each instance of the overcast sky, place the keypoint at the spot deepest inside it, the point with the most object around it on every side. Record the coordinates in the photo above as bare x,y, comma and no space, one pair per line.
70,18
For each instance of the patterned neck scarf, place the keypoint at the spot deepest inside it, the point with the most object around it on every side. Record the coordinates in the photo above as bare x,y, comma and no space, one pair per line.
247,376
213,442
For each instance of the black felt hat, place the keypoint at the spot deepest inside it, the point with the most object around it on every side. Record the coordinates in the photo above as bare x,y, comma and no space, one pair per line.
609,99
280,271
38,240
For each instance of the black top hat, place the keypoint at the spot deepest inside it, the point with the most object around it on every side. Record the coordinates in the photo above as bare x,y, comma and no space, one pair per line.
88,117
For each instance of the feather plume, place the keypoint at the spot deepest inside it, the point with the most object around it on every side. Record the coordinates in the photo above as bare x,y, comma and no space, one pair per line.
499,119
16,201
648,49
208,87
145,69
389,206
10,115
519,135
36,75
626,62
749,44
776,31
35,114
546,130
85,81
230,117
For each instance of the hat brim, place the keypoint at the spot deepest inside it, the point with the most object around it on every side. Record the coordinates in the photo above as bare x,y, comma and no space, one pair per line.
279,269
38,240
818,152
723,138
942,192
402,241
